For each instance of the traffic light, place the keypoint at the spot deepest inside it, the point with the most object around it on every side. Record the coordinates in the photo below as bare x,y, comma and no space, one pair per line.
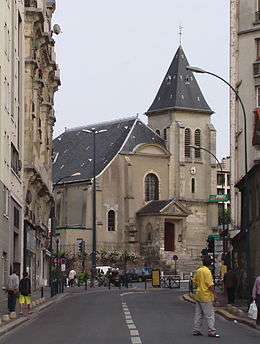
82,246
210,242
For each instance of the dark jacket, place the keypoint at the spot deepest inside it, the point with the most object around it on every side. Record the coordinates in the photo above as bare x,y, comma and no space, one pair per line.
25,286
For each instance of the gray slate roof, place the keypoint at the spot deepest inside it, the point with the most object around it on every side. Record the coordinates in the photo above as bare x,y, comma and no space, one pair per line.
154,207
73,150
179,89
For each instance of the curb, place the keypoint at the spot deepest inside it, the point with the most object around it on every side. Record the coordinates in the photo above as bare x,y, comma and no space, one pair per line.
12,324
224,313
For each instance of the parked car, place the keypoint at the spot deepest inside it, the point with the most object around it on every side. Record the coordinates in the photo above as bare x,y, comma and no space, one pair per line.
139,274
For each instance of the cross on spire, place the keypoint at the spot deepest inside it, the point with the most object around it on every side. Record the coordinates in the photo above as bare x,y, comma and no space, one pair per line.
180,33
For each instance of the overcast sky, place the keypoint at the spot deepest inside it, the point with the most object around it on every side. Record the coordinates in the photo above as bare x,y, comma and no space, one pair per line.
114,54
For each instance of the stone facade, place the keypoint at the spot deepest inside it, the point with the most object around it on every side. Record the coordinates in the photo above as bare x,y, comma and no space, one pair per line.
153,190
245,77
11,138
41,82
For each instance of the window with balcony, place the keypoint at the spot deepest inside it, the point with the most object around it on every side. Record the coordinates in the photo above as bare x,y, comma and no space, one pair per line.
256,132
257,14
220,179
15,162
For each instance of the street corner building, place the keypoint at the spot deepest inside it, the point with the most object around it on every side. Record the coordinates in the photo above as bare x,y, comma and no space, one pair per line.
41,82
152,187
11,138
245,154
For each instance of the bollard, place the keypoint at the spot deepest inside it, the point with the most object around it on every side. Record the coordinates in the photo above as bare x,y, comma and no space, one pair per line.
109,286
41,292
145,283
86,284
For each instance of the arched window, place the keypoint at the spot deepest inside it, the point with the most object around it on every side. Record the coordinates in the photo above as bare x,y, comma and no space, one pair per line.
187,143
111,221
197,141
193,185
158,132
151,187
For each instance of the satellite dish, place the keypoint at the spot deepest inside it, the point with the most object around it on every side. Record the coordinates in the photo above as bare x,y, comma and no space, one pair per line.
56,29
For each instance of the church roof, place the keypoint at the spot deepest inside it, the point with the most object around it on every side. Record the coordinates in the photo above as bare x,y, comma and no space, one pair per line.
179,89
154,207
73,150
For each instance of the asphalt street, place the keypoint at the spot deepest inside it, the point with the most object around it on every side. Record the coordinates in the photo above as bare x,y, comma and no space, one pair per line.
123,317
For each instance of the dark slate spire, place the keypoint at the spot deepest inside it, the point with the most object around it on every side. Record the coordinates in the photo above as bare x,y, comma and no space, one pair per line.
179,89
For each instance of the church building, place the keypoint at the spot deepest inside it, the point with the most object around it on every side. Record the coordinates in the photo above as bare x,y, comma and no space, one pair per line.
153,187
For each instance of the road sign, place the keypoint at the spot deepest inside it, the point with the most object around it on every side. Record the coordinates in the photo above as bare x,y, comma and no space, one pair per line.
218,246
218,198
214,237
63,267
175,257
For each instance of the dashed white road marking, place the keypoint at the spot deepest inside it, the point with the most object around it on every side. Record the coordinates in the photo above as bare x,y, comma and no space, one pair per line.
131,326
134,333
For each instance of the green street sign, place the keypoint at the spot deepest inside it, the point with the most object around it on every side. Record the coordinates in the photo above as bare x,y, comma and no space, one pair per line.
214,237
218,198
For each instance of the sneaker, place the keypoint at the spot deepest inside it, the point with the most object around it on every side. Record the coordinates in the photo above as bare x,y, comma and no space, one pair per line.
215,335
197,333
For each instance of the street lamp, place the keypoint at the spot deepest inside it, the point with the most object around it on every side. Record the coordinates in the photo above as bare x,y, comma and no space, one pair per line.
93,131
246,211
223,188
202,71
53,225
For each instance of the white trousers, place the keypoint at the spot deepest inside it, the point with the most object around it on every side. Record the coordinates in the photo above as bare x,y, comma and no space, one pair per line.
206,310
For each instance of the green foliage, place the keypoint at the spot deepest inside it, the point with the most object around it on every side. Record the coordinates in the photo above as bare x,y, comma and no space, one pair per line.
83,277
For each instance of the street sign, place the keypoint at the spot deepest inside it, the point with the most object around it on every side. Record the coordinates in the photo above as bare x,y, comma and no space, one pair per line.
218,246
218,198
214,237
175,258
63,267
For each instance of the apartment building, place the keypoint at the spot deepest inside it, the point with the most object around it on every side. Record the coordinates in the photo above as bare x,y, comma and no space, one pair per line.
41,82
11,137
245,77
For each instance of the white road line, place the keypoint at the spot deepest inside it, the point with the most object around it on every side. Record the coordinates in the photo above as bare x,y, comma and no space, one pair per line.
134,333
136,340
131,326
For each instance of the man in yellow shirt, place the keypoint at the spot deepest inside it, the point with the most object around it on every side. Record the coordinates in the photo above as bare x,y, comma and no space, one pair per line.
204,299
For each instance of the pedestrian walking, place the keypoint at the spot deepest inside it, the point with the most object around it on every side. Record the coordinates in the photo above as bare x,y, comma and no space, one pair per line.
256,297
12,290
72,277
230,283
203,280
25,294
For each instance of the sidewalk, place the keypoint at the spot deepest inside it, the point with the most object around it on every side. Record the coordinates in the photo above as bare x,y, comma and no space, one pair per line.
229,312
35,296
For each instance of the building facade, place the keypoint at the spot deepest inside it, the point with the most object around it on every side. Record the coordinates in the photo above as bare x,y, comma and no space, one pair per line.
223,188
41,82
11,137
152,187
245,77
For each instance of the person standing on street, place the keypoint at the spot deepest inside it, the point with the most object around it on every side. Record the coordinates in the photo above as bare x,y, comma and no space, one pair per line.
256,297
230,282
72,276
25,294
203,280
12,290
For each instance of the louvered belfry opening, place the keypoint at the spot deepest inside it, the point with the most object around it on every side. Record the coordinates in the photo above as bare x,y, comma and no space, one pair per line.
197,143
187,142
151,187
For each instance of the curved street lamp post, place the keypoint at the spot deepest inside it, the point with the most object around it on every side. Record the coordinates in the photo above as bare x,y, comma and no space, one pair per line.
246,211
